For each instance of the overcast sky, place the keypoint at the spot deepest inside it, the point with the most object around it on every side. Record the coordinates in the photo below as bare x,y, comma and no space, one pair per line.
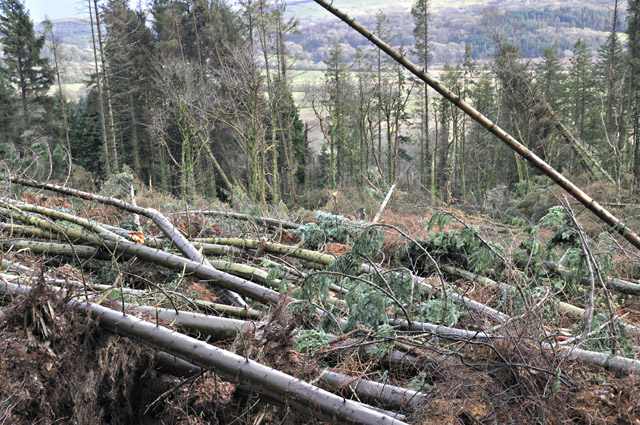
57,9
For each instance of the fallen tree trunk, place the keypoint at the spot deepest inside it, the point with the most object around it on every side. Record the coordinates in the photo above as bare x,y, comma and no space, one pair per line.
28,275
267,221
177,238
276,248
617,285
370,391
569,309
294,392
209,326
118,244
54,248
441,330
384,204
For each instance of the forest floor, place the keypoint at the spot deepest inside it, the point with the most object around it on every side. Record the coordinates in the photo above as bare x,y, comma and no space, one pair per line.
58,365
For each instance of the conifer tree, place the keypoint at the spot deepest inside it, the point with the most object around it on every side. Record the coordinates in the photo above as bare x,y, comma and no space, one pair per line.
580,91
633,32
26,69
421,17
7,105
551,77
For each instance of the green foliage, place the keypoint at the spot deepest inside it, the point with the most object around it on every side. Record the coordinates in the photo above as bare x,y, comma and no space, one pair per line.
462,247
531,243
386,340
118,185
128,223
108,274
316,285
435,311
22,50
556,218
367,306
312,235
603,340
310,341
368,243
401,283
420,382
331,226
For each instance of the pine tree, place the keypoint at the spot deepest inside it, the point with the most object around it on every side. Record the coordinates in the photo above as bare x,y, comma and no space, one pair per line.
580,83
551,77
333,120
26,69
7,105
421,17
129,48
633,31
612,74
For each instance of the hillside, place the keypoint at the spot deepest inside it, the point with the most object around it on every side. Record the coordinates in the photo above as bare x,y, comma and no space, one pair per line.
528,24
76,51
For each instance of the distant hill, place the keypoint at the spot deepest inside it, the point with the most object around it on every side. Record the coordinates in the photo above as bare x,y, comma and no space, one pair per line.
76,53
531,24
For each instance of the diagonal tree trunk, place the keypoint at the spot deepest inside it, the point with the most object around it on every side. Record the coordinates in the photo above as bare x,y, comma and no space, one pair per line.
505,137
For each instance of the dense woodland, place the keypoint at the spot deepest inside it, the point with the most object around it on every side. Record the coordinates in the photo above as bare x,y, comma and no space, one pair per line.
195,98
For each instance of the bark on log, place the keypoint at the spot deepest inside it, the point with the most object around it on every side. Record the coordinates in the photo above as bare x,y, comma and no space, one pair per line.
276,248
441,330
214,327
200,269
617,285
267,221
388,396
53,248
569,309
384,204
28,275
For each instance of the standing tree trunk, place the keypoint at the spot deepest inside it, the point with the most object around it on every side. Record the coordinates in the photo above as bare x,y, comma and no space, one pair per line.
105,143
111,128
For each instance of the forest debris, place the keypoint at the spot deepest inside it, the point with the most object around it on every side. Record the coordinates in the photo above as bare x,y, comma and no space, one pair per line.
262,379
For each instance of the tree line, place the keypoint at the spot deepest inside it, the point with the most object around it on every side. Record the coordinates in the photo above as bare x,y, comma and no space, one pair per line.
196,98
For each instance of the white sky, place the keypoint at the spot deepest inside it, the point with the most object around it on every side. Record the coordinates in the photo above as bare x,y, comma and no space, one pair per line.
56,9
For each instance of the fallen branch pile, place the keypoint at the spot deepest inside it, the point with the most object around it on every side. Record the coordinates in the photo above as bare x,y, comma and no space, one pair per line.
452,328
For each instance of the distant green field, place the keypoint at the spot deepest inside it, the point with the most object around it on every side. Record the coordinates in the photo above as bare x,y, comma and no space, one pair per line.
305,77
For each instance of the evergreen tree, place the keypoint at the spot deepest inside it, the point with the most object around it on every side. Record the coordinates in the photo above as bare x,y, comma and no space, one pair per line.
335,103
551,77
612,74
421,17
129,48
26,69
7,108
633,32
580,83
